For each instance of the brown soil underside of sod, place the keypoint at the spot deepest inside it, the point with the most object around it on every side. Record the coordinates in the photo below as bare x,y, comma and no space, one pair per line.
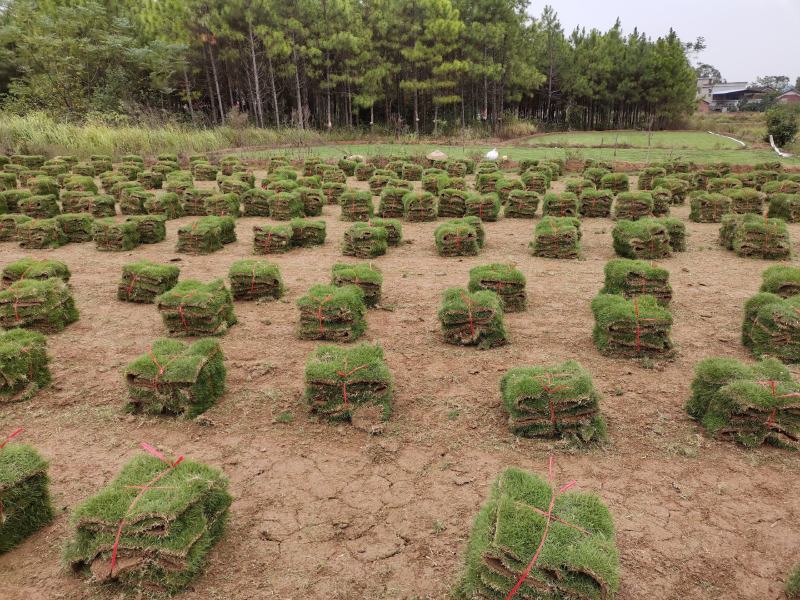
322,511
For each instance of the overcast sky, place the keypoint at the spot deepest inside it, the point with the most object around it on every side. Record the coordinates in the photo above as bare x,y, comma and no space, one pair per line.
745,38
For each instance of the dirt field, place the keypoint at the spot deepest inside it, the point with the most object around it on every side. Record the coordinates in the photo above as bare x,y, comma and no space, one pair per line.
328,512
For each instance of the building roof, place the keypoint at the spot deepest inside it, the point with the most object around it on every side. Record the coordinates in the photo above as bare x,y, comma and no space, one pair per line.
789,93
730,88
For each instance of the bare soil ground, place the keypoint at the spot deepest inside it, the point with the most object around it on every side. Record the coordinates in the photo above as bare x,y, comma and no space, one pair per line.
329,512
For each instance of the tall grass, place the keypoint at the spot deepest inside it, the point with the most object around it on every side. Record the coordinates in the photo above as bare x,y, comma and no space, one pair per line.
746,126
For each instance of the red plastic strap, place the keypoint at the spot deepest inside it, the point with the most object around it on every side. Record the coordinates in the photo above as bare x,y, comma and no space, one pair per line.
268,242
129,289
320,315
468,302
253,281
14,434
183,318
638,326
16,309
344,377
772,384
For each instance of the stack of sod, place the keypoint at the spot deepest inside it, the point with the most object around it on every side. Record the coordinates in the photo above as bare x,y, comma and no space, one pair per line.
456,238
677,188
758,237
504,188
333,175
306,232
484,206
8,181
29,161
222,205
255,279
312,201
9,199
202,236
363,171
632,278
487,166
557,401
535,181
792,587
719,184
44,186
192,308
456,168
310,164
662,200
335,314
233,185
175,378
730,223
643,239
152,228
77,227
419,206
393,227
272,239
169,205
333,191
411,172
364,275
41,233
365,241
472,318
9,226
343,383
522,204
356,206
784,206
391,202
487,182
118,189
616,182
256,202
709,208
782,280
575,551
23,370
785,186
746,201
632,206
132,199
150,180
109,235
626,328
477,224
24,494
596,203
143,281
435,180
504,280
31,268
156,536
44,305
565,204
646,177
452,203
771,326
281,184
39,207
751,404
595,174
557,237
194,202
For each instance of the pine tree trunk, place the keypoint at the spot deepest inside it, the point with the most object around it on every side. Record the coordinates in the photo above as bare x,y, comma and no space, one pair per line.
259,108
274,92
297,89
211,94
188,94
216,84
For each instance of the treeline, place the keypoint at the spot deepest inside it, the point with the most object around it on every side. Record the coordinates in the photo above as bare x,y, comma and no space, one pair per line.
405,65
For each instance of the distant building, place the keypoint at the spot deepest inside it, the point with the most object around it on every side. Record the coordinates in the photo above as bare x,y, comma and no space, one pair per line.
726,97
703,105
790,97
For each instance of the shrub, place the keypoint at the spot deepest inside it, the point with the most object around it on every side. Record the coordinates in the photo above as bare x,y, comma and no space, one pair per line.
782,125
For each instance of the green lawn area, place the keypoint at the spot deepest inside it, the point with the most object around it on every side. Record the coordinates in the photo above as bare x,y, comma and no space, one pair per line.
698,140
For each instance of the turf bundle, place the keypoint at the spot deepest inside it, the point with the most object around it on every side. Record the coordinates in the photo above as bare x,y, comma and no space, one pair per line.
8,181
504,280
176,379
435,180
306,232
144,280
194,202
456,238
285,206
331,313
97,205
631,278
222,205
411,171
472,318
639,327
150,530
784,206
152,228
202,236
9,199
44,185
256,202
391,202
535,181
419,206
573,553
484,206
486,183
709,208
44,305
31,268
595,174
758,237
596,203
662,200
312,200
782,280
356,206
192,308
750,404
720,184
506,186
169,205
616,182
771,326
557,237
746,201
643,239
365,241
522,204
632,206
150,180
364,275
678,188
132,200
77,227
9,226
272,239
647,175
39,207
112,236
452,203
233,185
24,494
23,371
254,279
41,233
565,204
557,401
344,384
393,227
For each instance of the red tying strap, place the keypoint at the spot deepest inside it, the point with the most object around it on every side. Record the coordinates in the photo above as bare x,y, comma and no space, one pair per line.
14,434
268,241
320,316
16,309
772,384
253,281
548,387
129,289
549,518
142,490
344,377
468,302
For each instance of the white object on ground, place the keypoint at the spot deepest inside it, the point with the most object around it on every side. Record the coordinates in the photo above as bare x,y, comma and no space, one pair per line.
492,154
727,137
437,155
778,151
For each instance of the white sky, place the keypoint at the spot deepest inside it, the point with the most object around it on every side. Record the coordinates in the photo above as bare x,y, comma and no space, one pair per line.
745,38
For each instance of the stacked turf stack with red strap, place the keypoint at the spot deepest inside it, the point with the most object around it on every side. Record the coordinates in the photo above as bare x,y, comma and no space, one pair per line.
771,326
364,275
144,280
23,364
363,240
635,328
31,268
272,239
193,308
151,528
536,540
255,280
472,318
44,305
349,384
456,238
750,404
557,237
505,280
631,278
332,313
176,378
24,492
557,401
